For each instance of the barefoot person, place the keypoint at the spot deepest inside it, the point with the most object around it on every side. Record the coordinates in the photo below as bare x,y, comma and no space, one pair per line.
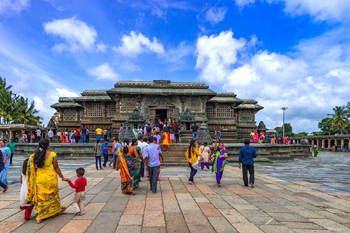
246,157
220,157
42,182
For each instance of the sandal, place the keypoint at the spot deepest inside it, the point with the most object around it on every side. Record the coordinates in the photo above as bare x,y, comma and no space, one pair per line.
62,210
38,221
133,193
190,182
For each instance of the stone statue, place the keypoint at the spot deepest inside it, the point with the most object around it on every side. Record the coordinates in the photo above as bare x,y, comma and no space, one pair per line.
304,141
187,116
126,132
204,135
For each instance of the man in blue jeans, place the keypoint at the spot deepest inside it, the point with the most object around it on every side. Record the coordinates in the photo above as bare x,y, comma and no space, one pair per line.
246,157
83,135
194,130
152,153
105,152
2,165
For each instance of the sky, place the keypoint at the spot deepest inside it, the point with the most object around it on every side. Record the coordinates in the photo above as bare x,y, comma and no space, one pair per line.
282,53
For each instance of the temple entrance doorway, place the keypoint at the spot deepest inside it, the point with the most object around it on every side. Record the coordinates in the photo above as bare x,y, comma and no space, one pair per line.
161,114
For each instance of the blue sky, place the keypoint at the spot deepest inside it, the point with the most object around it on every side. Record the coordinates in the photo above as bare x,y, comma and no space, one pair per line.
292,53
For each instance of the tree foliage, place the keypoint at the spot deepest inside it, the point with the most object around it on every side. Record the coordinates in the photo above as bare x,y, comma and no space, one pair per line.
339,119
288,130
15,108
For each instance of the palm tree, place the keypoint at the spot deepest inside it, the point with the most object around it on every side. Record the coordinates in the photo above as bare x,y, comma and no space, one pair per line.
339,118
27,112
347,106
8,105
4,91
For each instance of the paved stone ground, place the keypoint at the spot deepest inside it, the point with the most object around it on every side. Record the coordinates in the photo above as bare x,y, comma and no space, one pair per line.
275,205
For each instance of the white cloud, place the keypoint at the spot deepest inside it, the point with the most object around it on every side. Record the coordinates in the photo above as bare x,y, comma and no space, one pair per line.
134,44
48,98
296,80
320,10
158,8
77,35
216,55
8,7
100,47
176,55
129,66
215,15
104,72
242,3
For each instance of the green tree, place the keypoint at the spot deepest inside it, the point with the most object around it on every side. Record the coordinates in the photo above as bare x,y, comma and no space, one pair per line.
339,118
15,108
326,126
288,130
8,106
301,134
27,112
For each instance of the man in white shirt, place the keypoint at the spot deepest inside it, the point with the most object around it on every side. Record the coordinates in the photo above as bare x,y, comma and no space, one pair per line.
38,134
58,136
142,143
50,134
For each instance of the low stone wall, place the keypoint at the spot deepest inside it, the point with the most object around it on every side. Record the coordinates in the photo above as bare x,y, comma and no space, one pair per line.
266,152
271,152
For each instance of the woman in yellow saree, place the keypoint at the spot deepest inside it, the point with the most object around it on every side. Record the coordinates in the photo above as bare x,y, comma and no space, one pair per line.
42,182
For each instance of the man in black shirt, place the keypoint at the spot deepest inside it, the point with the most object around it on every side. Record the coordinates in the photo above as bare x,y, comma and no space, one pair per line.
194,130
83,134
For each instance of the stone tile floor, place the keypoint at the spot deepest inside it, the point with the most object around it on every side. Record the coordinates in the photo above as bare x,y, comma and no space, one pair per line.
277,204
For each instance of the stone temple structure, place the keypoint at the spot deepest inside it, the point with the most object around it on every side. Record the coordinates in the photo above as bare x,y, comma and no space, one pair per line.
163,99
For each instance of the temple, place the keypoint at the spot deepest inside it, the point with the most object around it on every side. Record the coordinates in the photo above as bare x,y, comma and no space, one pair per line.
159,98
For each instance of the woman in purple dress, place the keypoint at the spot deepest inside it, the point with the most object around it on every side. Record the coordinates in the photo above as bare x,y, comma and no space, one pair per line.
220,157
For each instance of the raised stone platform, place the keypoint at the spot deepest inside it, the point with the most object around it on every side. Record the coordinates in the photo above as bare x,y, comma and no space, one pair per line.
176,154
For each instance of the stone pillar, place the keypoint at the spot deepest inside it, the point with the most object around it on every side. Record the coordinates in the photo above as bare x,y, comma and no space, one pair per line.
318,143
182,103
312,143
323,143
215,110
329,143
117,103
104,109
342,143
151,113
171,109
78,114
11,134
232,111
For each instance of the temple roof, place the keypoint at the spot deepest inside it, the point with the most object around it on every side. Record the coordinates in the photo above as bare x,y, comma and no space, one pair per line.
225,97
250,104
162,84
160,91
94,93
93,98
66,105
66,102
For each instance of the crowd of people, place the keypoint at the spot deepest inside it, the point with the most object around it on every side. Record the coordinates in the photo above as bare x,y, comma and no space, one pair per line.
271,138
135,159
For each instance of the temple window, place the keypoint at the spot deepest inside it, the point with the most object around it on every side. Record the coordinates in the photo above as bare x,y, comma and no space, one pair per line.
224,111
70,115
210,111
95,110
110,109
